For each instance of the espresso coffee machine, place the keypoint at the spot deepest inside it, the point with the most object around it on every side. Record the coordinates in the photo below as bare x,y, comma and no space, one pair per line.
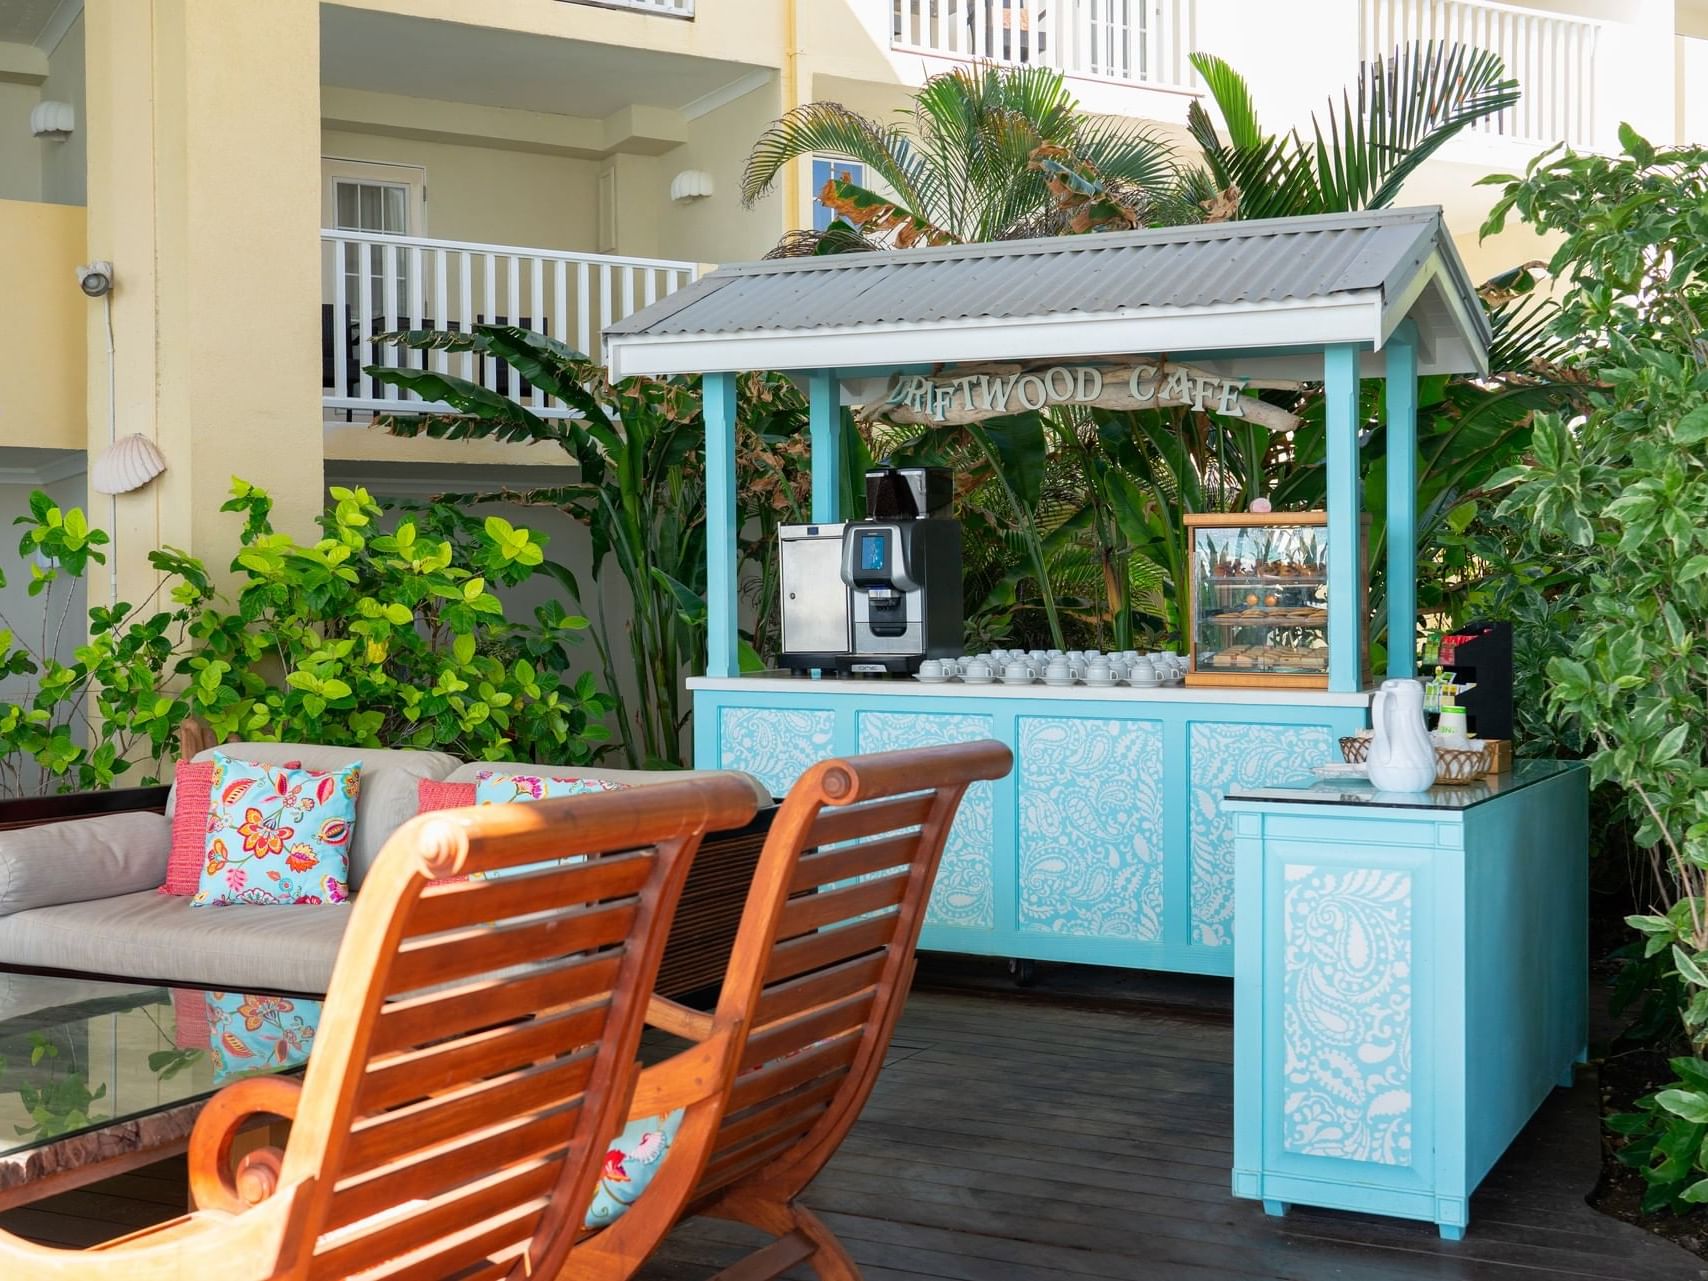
876,595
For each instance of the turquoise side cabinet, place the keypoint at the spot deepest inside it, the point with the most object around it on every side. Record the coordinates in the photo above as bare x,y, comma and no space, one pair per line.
1410,981
1108,843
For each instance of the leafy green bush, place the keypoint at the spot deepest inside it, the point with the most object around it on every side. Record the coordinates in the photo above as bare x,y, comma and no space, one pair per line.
365,638
1621,494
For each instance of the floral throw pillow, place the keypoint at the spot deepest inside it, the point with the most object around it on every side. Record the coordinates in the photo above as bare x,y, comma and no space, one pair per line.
249,1032
630,1164
278,835
508,789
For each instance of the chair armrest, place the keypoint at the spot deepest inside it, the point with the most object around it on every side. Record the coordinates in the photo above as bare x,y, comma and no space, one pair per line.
677,1019
213,1182
206,1243
692,1076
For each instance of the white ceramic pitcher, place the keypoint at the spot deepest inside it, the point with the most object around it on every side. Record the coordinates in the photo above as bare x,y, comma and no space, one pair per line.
1402,758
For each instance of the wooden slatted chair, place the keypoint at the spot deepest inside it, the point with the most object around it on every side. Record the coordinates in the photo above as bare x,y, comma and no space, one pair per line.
778,1072
475,1055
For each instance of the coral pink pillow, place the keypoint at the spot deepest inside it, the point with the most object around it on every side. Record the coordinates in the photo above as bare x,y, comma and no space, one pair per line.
431,794
190,826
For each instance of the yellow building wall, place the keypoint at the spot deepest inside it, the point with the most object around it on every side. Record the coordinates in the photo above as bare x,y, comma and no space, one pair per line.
748,31
486,193
718,228
42,366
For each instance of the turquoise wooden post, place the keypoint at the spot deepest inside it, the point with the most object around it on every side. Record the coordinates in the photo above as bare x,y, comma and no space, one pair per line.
723,654
1402,500
1340,392
825,399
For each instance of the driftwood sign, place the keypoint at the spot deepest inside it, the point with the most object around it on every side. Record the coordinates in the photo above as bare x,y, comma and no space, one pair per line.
968,395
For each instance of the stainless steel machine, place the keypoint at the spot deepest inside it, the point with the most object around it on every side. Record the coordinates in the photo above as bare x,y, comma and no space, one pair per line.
875,595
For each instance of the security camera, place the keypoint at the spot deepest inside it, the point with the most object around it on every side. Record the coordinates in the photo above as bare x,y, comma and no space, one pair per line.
96,279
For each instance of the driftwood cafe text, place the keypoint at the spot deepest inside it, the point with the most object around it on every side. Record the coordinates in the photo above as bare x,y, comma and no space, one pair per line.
991,392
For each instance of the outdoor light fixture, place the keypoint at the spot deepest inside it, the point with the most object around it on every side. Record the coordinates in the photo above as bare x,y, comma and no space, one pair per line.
690,185
96,278
53,120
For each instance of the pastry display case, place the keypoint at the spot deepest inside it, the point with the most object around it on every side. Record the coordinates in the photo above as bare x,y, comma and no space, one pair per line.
1258,613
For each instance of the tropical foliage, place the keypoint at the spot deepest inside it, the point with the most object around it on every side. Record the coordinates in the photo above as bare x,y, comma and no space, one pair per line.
639,488
983,154
1618,499
367,637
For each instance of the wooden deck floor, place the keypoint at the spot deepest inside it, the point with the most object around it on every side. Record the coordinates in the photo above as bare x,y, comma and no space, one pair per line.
1034,1140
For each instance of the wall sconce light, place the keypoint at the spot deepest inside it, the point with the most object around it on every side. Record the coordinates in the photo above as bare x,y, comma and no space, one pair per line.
690,185
54,121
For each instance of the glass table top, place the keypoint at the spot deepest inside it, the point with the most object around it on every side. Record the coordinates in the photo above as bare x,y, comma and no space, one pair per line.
82,1054
1464,796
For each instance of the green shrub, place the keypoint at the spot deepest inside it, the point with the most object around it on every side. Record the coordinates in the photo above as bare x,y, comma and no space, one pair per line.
364,638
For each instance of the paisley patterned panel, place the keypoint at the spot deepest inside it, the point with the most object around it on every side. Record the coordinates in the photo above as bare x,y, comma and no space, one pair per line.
1225,754
1346,1013
1091,827
963,895
773,744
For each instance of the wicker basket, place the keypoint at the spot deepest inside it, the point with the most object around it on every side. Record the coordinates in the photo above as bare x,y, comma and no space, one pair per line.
1456,766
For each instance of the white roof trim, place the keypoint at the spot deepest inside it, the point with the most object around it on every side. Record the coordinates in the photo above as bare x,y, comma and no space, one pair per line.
1300,323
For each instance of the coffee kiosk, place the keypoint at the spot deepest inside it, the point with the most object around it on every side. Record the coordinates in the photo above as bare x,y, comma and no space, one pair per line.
1114,841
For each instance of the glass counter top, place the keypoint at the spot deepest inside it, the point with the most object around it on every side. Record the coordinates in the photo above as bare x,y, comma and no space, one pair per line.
1464,796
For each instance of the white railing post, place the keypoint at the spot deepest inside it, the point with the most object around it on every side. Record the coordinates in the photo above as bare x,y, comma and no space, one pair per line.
406,282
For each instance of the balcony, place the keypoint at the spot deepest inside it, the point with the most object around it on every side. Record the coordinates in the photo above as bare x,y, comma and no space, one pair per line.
668,8
375,284
1553,58
1124,41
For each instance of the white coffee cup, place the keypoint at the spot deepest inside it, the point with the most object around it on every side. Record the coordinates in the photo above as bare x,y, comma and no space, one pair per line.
1058,670
1098,671
1142,672
979,669
951,667
931,668
1019,672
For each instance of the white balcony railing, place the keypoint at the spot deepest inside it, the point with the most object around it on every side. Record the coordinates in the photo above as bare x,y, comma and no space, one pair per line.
376,284
1552,58
1136,41
669,8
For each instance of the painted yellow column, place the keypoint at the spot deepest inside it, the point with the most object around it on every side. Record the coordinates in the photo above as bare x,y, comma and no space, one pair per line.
204,192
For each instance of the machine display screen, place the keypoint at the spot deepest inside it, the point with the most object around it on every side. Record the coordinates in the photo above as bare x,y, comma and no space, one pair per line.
872,551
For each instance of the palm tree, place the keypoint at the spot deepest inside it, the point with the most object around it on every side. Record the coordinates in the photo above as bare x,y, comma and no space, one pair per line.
959,167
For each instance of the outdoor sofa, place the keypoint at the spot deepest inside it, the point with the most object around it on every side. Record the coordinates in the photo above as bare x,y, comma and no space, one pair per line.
81,895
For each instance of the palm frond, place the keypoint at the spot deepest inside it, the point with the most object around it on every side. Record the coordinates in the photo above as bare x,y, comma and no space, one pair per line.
831,127
1232,96
1409,105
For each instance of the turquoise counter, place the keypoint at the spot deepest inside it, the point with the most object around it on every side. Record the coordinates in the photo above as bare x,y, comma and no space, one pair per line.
1108,844
1410,981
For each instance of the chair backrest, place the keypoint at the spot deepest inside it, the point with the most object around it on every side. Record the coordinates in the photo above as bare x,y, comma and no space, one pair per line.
825,952
477,1049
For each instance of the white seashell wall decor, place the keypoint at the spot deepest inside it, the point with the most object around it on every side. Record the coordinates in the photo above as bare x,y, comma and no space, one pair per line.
128,463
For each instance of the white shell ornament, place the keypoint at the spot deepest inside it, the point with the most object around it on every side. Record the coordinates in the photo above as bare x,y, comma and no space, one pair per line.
128,463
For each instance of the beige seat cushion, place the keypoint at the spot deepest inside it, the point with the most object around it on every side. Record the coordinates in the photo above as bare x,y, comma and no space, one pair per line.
470,772
389,781
160,937
82,858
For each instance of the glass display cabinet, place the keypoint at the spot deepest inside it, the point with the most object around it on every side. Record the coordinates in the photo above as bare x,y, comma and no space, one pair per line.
1259,608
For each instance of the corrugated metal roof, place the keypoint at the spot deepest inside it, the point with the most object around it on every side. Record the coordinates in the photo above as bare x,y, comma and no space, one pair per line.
1220,265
